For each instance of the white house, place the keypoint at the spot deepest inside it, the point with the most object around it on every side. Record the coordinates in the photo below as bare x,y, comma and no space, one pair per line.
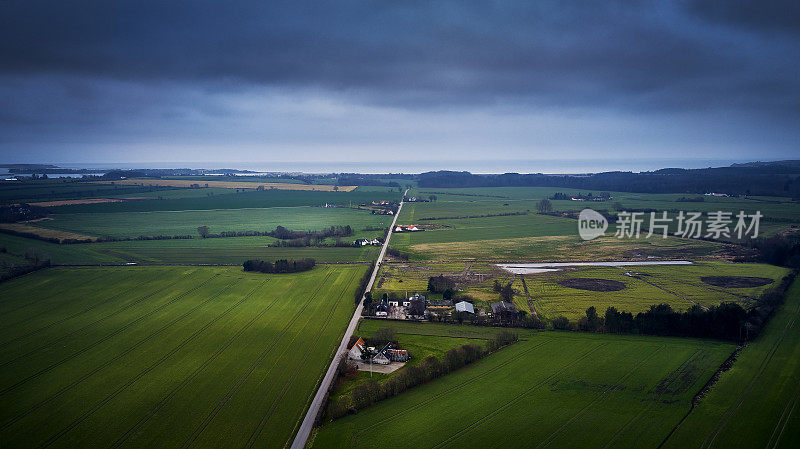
356,350
464,306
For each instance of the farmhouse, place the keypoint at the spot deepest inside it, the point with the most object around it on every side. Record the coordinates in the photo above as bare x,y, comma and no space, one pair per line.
382,309
394,302
365,242
407,228
357,350
381,358
504,311
464,306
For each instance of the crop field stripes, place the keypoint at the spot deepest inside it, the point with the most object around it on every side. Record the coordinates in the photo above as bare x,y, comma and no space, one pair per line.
74,315
59,293
550,438
455,388
673,293
648,406
243,378
263,422
112,334
128,434
118,311
783,421
751,383
152,366
466,429
106,364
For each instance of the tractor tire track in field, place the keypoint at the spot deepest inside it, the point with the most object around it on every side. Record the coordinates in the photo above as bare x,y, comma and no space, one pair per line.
530,301
705,287
153,365
751,383
107,337
110,298
58,293
265,419
243,378
558,432
452,389
98,368
784,419
516,399
127,435
63,337
672,293
647,407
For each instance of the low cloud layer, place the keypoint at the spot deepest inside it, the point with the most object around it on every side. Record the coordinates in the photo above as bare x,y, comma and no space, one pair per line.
123,80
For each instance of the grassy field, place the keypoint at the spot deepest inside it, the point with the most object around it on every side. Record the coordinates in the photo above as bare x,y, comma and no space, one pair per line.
552,390
529,236
680,286
754,404
452,236
157,357
171,223
228,184
224,251
212,199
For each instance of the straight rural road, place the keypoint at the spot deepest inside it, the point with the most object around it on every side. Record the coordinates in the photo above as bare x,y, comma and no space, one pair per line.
304,431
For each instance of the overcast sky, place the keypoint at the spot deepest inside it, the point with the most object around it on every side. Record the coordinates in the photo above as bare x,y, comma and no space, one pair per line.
260,81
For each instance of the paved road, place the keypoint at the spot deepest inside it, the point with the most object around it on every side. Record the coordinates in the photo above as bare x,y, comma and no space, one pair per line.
316,404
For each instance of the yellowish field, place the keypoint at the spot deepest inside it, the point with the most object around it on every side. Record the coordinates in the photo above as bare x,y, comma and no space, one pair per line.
45,233
228,184
565,248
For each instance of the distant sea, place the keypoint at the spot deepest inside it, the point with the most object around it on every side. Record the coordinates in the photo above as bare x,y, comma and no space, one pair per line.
574,166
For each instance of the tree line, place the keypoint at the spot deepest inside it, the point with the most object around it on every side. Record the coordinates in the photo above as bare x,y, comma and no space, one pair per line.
778,179
279,266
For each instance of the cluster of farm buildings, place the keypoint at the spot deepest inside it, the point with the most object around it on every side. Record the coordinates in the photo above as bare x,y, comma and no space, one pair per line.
359,351
417,307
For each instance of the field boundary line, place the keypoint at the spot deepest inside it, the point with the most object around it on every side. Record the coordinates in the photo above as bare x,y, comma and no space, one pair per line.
723,422
515,399
66,388
51,343
243,378
265,419
151,367
126,436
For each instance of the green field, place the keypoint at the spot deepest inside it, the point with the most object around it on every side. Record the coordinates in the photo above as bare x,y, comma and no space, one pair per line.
552,390
223,251
133,224
755,403
155,357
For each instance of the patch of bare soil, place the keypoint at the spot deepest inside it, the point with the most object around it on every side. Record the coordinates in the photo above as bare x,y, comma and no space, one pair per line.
593,284
736,281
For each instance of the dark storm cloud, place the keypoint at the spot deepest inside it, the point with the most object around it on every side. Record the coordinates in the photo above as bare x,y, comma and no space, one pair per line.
139,65
420,52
